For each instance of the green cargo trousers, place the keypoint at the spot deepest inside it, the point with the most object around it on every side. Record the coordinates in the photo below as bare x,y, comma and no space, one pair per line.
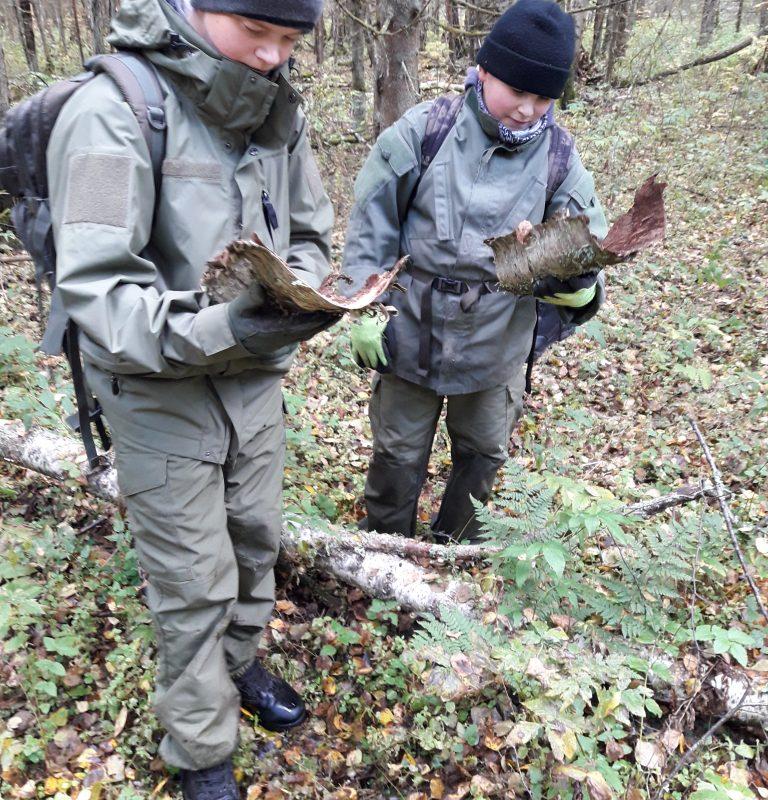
207,536
404,419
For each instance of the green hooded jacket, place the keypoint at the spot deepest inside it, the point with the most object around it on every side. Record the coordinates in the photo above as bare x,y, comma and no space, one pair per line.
159,357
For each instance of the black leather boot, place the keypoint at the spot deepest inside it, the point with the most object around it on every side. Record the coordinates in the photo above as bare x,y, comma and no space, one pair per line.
278,706
213,783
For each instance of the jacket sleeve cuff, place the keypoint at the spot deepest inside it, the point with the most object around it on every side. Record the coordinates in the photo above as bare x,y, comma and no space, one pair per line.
215,335
578,316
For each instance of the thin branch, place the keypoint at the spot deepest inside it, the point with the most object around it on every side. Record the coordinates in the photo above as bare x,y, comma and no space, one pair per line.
688,755
598,7
460,31
741,45
489,11
382,31
727,516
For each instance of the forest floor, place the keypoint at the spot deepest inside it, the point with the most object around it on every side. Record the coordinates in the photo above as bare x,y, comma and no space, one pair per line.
683,334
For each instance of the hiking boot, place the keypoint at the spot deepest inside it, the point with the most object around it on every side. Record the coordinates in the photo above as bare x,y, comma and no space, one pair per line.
278,706
213,783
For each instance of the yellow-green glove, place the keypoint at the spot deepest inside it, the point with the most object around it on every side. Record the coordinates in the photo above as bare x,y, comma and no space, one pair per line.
367,335
573,293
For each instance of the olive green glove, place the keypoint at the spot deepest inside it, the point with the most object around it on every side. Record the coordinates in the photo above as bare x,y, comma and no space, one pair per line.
367,335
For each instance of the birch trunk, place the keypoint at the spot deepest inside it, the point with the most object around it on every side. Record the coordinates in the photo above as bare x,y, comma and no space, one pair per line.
5,92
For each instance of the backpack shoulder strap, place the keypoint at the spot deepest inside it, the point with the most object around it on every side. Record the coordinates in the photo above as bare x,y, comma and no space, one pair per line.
440,119
137,81
558,159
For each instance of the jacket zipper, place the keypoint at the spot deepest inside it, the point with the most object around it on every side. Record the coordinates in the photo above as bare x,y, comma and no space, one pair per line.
270,215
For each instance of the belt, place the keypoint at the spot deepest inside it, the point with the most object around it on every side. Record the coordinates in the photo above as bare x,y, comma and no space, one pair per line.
469,291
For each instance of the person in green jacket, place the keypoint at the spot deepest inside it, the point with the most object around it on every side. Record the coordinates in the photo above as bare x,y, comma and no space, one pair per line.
192,390
455,337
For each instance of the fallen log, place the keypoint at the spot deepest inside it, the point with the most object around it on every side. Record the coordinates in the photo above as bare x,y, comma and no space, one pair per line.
61,457
379,565
339,554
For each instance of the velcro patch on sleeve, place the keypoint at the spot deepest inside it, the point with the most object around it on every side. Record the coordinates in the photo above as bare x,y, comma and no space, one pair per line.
208,171
98,189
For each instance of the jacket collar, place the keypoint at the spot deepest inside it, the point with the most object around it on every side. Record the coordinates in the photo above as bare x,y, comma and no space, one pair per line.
490,125
227,93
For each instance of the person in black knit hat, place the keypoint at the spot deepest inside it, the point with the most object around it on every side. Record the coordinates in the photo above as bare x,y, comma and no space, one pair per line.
300,14
443,179
530,48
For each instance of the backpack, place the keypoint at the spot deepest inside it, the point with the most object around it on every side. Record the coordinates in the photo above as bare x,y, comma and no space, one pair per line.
24,140
442,116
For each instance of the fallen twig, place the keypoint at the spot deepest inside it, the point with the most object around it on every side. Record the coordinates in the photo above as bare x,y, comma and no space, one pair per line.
727,516
685,759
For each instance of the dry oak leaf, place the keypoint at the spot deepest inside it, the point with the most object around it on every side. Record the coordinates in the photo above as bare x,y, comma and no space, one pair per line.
649,755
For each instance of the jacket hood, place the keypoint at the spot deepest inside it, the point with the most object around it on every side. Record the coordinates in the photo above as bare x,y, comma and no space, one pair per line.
230,94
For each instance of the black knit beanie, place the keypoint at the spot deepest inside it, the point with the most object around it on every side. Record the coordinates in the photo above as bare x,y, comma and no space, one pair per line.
301,14
531,47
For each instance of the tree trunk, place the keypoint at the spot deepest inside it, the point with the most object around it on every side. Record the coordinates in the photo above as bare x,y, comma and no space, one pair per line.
357,46
739,15
375,563
597,33
27,28
456,44
39,9
569,93
710,13
396,85
58,19
618,22
78,35
5,94
357,66
320,41
353,558
99,21
762,23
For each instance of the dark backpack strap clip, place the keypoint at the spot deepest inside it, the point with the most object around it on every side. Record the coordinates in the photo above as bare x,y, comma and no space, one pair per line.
88,409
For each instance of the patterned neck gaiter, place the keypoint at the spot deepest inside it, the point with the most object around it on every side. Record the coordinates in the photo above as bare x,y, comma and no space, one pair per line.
506,135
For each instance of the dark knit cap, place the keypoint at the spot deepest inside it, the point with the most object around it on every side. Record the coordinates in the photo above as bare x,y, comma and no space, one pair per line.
301,14
531,47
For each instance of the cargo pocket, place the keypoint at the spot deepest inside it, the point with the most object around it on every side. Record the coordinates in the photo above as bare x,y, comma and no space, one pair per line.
514,398
141,472
374,403
142,478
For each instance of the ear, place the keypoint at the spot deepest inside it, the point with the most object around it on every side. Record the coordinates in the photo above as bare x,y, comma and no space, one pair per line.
482,73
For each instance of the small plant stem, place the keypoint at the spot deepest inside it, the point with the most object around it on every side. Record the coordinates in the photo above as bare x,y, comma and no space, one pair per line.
727,516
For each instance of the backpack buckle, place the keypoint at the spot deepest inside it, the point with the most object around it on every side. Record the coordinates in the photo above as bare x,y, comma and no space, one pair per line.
450,285
156,118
